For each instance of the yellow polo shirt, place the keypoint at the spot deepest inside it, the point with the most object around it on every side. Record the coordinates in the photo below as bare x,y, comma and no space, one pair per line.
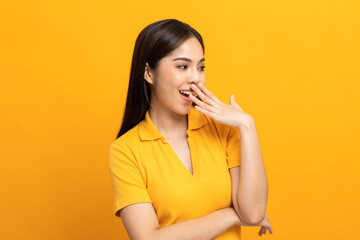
144,168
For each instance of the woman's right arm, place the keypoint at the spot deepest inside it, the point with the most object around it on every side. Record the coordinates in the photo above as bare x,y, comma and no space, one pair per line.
141,223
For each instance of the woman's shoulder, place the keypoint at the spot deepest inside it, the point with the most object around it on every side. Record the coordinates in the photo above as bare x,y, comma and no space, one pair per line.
125,147
129,138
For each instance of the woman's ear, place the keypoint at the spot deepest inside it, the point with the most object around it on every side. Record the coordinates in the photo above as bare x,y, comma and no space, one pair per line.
148,74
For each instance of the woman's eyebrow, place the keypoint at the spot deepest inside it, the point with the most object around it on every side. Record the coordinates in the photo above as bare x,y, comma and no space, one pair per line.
187,59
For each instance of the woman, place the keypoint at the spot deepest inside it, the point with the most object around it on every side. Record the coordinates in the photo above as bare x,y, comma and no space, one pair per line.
175,168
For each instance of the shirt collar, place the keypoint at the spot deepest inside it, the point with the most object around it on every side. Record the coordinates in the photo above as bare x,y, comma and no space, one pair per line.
148,131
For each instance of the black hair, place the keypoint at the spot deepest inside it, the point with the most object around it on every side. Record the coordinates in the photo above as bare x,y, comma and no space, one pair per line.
154,42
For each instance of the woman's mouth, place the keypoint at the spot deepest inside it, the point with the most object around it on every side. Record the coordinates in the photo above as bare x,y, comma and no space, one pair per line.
187,92
185,95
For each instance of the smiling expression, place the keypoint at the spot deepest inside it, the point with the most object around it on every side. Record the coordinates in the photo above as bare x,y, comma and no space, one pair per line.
171,80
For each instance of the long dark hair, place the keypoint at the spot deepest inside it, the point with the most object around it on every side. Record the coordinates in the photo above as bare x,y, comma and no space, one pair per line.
154,42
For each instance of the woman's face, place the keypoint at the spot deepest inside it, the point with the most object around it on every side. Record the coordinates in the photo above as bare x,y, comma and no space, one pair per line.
175,72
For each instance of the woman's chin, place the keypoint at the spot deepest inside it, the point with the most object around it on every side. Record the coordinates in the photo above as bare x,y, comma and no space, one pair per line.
185,109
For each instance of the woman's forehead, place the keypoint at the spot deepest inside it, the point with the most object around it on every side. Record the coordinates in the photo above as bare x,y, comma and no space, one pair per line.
190,49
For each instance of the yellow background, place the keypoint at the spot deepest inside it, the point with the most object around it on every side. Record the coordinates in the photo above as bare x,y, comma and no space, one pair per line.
64,70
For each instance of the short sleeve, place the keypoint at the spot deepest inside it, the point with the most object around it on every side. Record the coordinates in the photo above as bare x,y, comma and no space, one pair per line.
127,182
233,148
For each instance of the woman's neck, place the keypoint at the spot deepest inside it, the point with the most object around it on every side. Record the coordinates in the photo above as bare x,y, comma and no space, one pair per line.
172,126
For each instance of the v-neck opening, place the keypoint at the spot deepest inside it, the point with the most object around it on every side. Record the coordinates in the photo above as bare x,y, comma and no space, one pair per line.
192,158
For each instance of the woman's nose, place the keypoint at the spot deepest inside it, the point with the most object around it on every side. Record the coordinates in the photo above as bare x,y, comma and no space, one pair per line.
195,77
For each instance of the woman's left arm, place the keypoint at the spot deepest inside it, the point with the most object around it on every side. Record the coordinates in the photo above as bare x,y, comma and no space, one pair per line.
252,191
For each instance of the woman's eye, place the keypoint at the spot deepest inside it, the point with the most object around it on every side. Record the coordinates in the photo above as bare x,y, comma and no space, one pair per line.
185,67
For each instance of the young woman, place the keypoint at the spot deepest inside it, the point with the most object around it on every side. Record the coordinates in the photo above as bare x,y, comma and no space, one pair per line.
175,166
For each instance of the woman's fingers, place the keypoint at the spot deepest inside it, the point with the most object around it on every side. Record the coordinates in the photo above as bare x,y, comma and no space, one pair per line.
269,225
234,103
262,231
270,229
208,93
201,104
204,111
203,95
266,226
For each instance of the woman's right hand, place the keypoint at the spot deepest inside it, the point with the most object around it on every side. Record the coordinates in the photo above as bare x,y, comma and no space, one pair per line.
264,224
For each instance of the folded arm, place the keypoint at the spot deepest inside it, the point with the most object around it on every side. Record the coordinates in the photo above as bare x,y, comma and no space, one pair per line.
141,223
